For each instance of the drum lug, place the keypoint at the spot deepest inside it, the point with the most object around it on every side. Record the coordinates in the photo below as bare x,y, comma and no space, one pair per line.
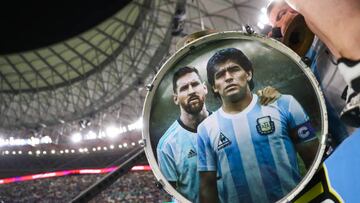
249,29
149,87
142,142
328,147
159,184
306,60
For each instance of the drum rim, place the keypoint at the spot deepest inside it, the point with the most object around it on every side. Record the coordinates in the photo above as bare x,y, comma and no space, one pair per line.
181,53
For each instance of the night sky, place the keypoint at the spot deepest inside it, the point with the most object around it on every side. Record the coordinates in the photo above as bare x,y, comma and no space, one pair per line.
28,25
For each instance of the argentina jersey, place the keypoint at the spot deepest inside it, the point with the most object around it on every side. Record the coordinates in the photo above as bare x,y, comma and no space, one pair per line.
252,150
177,158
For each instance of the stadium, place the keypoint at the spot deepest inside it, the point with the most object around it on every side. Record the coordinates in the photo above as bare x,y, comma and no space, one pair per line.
85,95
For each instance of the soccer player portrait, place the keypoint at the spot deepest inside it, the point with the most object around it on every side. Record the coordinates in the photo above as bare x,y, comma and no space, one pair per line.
250,149
176,150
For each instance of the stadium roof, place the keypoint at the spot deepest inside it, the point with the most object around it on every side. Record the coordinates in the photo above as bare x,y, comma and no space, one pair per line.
93,60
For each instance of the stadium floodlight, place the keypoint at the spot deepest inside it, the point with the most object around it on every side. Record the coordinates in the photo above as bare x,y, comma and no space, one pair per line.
133,143
44,152
86,150
112,131
76,137
94,149
101,134
30,152
137,125
6,152
66,151
98,148
111,146
125,144
81,150
61,151
105,148
53,151
13,152
72,151
90,135
263,19
20,152
120,146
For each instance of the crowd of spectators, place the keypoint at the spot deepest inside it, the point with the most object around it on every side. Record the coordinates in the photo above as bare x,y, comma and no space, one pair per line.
136,187
132,187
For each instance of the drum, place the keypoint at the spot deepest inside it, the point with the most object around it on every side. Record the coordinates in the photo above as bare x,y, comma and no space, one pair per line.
273,148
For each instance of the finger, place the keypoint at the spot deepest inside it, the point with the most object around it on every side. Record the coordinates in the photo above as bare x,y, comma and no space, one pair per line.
261,100
265,90
272,100
266,100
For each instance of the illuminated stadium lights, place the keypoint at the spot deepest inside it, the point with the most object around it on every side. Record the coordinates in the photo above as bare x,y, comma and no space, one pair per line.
123,129
111,146
81,150
13,152
120,146
72,151
98,148
105,148
30,152
133,143
260,25
76,137
90,135
137,125
20,142
44,152
6,152
19,152
263,19
38,151
86,150
125,145
101,134
94,149
53,151
61,151
112,131
66,151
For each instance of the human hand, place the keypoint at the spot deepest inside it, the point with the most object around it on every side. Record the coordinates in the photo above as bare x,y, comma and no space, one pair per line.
268,95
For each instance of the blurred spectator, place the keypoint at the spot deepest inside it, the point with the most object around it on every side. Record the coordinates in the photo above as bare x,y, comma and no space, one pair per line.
132,187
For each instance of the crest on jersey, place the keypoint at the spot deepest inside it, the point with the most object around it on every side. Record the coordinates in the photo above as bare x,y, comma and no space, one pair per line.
223,141
265,125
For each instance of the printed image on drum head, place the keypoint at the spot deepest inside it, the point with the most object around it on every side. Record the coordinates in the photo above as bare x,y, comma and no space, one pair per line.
206,127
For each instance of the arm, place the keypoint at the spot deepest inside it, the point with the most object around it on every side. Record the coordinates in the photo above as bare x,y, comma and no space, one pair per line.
307,151
208,188
302,133
306,143
268,95
206,167
167,166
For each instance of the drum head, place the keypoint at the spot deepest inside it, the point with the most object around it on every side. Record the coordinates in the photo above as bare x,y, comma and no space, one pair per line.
273,65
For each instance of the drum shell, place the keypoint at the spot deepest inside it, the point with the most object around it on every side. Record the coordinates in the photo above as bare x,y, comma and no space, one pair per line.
159,111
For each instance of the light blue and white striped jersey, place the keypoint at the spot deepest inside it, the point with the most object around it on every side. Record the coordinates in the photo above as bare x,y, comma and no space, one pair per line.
252,150
177,157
